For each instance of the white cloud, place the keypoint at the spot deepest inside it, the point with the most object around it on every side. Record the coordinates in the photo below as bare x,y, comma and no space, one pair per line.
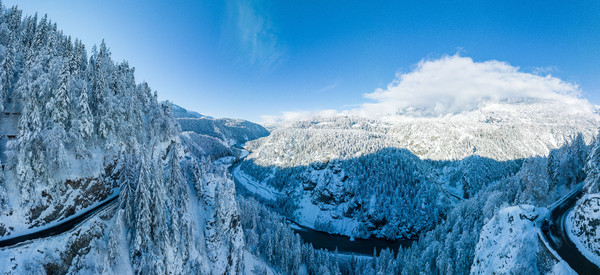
329,87
298,115
454,84
255,34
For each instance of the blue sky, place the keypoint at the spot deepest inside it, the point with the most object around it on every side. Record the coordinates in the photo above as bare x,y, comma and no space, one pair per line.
247,59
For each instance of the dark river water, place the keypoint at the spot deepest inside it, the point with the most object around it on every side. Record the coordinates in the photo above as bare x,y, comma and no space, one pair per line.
322,240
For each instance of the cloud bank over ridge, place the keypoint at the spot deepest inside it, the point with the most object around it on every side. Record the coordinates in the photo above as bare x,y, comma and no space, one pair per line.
456,84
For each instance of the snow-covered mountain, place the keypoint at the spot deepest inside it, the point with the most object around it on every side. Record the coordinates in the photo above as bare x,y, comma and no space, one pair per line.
472,184
230,131
509,196
76,128
180,112
211,138
498,131
397,176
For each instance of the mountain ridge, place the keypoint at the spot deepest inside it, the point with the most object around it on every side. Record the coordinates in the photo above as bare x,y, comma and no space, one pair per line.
328,164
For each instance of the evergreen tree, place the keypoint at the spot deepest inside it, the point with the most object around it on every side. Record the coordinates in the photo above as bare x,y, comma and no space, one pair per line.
59,104
83,123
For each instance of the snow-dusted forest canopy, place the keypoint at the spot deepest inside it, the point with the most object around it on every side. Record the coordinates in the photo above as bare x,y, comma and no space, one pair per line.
84,128
74,107
231,131
76,128
446,245
364,177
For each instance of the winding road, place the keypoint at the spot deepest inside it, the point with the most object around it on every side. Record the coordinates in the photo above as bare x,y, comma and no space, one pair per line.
61,226
558,238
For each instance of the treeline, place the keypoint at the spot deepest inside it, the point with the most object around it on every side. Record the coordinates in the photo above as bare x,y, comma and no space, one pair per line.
449,246
83,116
72,104
270,238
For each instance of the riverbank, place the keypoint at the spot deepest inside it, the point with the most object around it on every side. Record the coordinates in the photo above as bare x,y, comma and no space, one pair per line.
347,245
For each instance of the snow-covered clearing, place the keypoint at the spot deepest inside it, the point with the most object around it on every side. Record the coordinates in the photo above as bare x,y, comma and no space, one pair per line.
310,215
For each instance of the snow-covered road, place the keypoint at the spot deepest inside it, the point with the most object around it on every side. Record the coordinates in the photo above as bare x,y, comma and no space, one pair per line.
62,226
559,240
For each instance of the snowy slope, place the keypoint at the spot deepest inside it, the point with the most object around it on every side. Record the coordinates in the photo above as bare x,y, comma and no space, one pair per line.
340,168
229,131
85,129
508,244
180,112
205,146
497,131
582,225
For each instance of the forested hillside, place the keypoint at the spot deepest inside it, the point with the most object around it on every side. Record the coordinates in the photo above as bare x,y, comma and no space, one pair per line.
77,129
506,204
399,176
230,131
84,130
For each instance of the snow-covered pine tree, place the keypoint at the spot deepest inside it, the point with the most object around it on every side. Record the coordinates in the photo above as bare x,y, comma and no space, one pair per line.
148,212
180,226
59,102
100,74
58,89
83,124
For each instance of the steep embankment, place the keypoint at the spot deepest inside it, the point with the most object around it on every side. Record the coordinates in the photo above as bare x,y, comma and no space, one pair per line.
582,226
84,128
509,243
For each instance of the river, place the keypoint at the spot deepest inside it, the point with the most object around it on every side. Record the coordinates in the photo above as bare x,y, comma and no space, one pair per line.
324,240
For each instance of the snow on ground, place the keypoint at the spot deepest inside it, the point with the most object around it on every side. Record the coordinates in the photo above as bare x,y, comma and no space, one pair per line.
310,215
17,221
583,226
244,153
23,231
225,161
508,243
255,186
77,168
41,255
562,268
254,265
